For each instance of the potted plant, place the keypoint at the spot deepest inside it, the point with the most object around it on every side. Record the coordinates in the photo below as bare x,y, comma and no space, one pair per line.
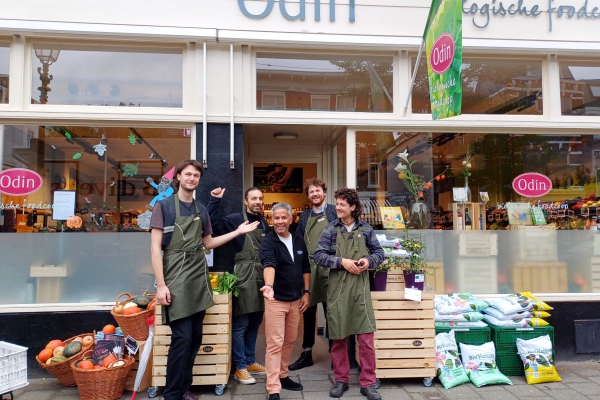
413,265
378,276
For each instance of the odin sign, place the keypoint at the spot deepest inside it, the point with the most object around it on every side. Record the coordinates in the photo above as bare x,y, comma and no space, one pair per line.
301,13
19,181
532,184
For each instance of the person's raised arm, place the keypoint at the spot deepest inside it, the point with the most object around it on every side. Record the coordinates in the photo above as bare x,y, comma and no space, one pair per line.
163,295
213,242
220,225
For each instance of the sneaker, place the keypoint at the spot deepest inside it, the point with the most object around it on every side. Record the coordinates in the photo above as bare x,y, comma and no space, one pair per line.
274,396
256,368
305,360
242,376
370,392
288,384
189,396
338,389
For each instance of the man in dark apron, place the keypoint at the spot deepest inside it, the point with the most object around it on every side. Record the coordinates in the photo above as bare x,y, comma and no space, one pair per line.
249,306
311,225
348,247
180,231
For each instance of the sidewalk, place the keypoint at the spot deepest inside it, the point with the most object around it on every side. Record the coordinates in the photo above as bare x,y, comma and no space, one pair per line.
581,380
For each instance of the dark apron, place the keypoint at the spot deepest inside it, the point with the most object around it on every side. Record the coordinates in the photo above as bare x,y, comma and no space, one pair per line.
349,306
249,270
185,268
318,276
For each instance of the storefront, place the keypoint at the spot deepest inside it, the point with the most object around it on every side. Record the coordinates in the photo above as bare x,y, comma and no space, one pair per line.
103,103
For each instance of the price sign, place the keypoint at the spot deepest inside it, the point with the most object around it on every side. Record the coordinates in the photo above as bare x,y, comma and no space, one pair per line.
412,294
132,345
459,194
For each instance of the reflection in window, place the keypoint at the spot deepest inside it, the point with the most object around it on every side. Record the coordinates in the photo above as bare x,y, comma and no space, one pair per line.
116,173
70,76
4,81
490,86
579,88
316,83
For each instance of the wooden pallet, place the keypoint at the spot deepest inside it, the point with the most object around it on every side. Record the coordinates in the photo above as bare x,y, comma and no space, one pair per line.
405,337
213,362
540,277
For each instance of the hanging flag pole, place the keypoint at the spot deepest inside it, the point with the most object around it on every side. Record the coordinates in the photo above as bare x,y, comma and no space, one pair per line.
414,75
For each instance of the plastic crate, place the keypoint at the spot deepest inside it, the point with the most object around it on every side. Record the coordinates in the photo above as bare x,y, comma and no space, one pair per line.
473,336
510,364
13,367
506,338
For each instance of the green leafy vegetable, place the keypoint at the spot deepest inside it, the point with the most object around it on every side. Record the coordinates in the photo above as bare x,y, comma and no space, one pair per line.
228,284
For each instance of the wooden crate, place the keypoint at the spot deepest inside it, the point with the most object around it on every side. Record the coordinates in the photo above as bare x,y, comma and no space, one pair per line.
478,244
213,362
146,378
475,210
477,275
537,243
540,277
395,279
405,337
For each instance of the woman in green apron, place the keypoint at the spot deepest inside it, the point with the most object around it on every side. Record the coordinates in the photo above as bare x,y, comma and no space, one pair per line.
348,247
180,231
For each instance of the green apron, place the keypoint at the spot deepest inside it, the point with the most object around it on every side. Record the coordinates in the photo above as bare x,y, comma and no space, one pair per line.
318,276
249,270
349,307
185,268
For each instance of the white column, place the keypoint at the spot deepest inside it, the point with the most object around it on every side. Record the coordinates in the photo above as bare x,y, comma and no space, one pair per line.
351,158
551,87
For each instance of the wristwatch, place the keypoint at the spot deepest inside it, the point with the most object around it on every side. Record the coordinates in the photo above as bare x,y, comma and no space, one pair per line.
307,291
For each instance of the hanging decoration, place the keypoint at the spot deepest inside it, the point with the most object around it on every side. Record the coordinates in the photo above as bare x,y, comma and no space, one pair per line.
130,170
132,139
165,189
76,156
67,135
100,148
143,220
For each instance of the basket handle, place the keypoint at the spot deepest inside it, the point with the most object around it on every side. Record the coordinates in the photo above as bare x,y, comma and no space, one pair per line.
130,297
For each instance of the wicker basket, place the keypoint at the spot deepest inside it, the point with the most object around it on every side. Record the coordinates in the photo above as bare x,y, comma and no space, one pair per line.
133,325
62,370
102,384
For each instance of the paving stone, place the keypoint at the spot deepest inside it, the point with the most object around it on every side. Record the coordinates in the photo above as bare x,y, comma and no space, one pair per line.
499,395
566,394
395,394
317,386
463,391
32,394
571,377
525,391
316,376
586,388
249,389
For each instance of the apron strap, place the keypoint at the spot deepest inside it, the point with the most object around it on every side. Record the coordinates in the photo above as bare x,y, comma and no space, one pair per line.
177,212
262,221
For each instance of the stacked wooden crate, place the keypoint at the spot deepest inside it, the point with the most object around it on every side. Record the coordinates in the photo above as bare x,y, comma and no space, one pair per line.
213,362
146,379
405,337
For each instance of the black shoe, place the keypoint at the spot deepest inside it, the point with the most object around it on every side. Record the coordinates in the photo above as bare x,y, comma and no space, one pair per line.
305,360
338,389
288,384
274,396
370,392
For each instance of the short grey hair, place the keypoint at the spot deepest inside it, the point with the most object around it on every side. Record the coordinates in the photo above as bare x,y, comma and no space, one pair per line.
282,205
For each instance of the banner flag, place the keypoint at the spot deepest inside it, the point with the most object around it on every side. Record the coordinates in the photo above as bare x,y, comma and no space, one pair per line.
443,46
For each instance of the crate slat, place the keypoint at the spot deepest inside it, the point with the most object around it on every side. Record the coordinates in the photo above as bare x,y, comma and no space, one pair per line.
404,334
402,305
220,379
404,315
398,296
209,369
406,363
406,324
404,343
201,359
405,373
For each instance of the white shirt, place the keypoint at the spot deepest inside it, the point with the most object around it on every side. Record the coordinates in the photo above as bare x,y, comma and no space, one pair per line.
288,243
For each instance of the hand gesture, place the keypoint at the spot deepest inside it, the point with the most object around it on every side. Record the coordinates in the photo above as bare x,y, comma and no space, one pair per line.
247,227
218,192
163,295
363,265
268,292
350,266
303,303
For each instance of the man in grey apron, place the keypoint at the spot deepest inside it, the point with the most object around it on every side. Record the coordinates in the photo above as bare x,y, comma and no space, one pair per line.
249,306
348,247
180,231
310,226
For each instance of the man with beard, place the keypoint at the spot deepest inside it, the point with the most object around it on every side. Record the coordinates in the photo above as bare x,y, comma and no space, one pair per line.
349,247
311,225
249,306
287,282
181,230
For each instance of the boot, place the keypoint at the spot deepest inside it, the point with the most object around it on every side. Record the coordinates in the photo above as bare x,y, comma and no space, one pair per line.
305,360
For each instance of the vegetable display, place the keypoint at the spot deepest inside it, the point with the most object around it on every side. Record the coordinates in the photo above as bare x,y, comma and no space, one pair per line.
227,284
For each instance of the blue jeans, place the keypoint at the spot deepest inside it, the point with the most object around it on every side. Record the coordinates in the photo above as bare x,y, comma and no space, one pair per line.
244,334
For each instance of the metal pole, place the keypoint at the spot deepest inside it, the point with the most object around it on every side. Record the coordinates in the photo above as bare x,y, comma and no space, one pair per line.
204,119
231,127
414,76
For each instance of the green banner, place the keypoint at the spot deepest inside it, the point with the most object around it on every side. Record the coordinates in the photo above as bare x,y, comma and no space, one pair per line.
443,45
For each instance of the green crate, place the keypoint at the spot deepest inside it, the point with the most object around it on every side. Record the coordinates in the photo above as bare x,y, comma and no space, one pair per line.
505,339
510,363
473,336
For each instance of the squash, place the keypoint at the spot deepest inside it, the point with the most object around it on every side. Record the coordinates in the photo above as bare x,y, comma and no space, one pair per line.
132,310
45,355
74,222
130,304
88,340
72,349
118,309
57,359
58,351
143,300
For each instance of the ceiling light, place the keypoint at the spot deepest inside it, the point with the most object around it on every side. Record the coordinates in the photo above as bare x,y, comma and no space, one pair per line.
285,135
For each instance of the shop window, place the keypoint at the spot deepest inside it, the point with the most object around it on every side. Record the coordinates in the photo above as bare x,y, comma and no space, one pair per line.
516,237
579,87
68,75
273,100
359,83
490,86
319,102
4,66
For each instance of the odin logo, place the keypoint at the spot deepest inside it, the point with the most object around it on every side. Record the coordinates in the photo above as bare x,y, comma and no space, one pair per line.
301,13
417,343
19,181
207,349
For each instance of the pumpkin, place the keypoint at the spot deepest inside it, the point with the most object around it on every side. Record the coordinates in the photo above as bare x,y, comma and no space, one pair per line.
45,355
108,360
74,222
130,304
72,349
58,351
86,364
132,310
54,344
88,340
143,300
118,309
57,359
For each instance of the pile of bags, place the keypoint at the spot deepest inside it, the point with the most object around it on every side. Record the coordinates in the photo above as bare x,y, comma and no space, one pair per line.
519,310
391,246
459,310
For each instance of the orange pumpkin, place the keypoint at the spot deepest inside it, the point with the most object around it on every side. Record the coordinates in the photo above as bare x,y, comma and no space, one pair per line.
132,310
74,222
98,367
54,344
108,360
86,364
45,355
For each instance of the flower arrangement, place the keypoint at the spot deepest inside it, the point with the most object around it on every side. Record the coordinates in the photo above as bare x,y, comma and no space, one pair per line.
467,163
414,261
414,183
